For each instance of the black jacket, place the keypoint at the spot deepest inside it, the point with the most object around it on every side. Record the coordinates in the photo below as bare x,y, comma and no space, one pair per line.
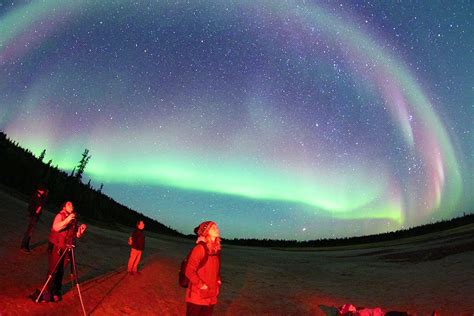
138,239
36,201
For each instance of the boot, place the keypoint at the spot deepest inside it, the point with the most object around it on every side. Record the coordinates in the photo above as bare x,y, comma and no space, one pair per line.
25,244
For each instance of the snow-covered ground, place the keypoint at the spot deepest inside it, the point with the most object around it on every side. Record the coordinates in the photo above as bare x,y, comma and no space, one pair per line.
418,275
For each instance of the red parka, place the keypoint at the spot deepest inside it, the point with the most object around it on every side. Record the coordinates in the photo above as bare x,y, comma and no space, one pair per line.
199,273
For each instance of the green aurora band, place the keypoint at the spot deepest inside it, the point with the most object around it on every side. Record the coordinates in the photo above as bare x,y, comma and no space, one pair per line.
360,194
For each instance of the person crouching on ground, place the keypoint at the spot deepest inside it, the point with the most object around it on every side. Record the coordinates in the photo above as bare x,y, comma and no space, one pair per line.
137,241
35,208
203,271
63,233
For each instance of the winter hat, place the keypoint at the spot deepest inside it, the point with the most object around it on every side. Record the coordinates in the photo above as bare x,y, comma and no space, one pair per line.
203,228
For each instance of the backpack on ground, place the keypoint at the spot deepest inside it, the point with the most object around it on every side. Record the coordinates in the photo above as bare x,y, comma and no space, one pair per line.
183,279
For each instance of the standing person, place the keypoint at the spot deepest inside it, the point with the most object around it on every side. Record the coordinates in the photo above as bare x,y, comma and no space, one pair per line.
137,241
35,208
64,231
203,271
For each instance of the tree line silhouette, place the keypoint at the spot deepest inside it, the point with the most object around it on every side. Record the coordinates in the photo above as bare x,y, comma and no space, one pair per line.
347,241
22,171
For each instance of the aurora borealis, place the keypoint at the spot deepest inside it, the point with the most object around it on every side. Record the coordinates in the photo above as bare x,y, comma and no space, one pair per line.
277,119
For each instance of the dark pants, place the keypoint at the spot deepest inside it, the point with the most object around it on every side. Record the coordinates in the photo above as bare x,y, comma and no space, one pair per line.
54,285
25,243
198,310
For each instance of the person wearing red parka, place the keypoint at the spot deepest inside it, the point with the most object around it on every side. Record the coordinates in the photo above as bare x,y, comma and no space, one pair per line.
203,271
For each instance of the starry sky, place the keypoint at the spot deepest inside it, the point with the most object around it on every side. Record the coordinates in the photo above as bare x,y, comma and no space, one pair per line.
276,119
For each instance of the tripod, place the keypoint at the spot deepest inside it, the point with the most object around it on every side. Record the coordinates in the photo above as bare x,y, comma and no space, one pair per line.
69,249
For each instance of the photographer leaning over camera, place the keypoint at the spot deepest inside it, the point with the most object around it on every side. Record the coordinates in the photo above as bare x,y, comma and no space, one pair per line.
63,233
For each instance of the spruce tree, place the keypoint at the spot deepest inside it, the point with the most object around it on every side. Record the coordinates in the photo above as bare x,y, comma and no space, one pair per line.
82,164
41,156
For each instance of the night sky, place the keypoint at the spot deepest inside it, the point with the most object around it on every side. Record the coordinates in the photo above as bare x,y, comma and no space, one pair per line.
277,119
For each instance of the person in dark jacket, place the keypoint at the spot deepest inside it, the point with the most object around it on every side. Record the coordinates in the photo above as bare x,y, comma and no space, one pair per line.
35,208
64,231
203,271
137,241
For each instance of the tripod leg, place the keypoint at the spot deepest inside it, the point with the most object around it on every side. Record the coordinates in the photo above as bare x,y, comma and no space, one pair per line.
72,279
74,271
44,287
51,275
